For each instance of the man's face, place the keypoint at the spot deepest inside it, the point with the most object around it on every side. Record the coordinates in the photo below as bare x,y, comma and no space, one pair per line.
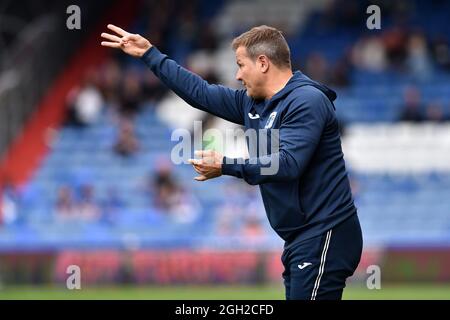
249,74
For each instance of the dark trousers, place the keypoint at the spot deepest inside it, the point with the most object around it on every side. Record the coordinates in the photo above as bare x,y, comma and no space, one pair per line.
317,268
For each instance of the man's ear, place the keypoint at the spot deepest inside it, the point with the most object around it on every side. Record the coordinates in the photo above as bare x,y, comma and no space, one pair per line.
263,63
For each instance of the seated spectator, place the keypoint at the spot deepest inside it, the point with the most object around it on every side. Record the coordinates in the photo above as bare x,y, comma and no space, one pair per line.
86,206
170,197
369,54
130,98
127,143
162,184
183,206
85,103
9,204
418,60
65,208
412,107
441,53
317,67
153,90
394,41
110,76
340,76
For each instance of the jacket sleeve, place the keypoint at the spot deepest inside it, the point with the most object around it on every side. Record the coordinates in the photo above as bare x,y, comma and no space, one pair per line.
218,100
299,134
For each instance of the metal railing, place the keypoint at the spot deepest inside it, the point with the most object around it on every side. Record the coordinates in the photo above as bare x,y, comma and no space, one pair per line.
28,68
25,77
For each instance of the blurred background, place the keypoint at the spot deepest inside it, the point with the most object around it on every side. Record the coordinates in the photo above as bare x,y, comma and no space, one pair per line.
85,143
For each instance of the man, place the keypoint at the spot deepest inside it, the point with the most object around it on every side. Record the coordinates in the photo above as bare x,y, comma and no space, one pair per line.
308,199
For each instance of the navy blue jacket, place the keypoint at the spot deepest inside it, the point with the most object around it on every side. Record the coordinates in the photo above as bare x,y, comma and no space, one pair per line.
310,193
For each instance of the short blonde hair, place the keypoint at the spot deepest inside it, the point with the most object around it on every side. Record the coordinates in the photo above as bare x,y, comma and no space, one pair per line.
268,41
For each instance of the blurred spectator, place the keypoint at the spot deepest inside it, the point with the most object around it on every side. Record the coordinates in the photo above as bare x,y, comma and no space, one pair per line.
202,63
9,201
65,208
341,72
183,206
186,31
127,143
170,197
340,13
86,207
418,60
412,106
395,40
152,88
369,54
317,67
162,184
110,76
207,39
83,208
441,53
130,95
85,103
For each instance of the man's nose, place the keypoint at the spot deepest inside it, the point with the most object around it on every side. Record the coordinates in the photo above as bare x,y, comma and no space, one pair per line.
238,76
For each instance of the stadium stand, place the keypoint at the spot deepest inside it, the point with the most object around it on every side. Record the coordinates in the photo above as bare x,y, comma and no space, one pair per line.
391,161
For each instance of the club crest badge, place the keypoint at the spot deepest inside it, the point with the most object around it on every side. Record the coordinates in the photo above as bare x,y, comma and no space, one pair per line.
270,121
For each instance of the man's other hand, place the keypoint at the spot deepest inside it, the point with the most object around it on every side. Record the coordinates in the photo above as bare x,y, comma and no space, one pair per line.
130,43
209,165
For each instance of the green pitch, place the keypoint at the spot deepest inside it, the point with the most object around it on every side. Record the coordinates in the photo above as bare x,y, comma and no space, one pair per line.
216,292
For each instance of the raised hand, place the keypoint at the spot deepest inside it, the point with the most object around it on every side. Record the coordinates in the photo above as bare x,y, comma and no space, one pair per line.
130,43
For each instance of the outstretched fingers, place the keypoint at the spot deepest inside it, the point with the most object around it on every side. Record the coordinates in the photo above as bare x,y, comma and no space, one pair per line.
110,37
117,30
110,44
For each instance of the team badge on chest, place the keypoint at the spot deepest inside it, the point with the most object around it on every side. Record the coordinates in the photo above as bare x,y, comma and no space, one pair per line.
270,121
